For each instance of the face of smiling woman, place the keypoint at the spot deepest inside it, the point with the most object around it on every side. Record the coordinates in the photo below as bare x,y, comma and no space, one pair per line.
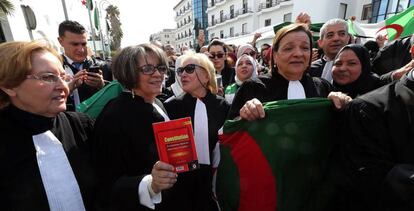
292,56
149,86
38,96
347,68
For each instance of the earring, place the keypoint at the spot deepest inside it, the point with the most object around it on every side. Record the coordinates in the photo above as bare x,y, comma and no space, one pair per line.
132,93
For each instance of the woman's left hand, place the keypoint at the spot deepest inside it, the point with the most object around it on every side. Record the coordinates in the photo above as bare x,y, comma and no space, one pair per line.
339,99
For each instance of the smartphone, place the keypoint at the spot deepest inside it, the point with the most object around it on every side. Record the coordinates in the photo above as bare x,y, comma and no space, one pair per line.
94,69
219,80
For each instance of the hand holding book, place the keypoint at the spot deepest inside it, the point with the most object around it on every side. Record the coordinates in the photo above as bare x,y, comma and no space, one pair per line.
163,176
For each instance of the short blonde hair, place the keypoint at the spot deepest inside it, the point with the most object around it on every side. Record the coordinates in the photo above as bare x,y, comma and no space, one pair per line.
208,66
16,63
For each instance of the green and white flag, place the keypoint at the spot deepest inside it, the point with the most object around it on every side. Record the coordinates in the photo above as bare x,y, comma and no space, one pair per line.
399,25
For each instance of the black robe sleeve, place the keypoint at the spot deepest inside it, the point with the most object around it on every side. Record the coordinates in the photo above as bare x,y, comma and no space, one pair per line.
124,151
378,154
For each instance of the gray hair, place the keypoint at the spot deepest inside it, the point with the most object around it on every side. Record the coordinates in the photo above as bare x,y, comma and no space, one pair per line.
126,63
331,22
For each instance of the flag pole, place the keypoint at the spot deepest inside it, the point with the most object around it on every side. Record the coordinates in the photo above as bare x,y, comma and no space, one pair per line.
88,3
100,30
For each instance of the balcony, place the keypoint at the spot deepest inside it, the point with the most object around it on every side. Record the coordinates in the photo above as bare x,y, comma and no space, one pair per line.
230,16
185,10
270,4
213,3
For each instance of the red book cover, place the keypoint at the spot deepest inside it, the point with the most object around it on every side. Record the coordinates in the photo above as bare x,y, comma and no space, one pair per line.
175,144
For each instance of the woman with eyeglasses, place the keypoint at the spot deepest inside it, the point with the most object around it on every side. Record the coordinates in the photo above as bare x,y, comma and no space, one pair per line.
246,68
217,52
292,50
208,112
44,151
125,152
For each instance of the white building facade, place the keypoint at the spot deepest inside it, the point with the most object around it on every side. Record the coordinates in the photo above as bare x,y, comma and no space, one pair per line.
184,34
166,36
238,20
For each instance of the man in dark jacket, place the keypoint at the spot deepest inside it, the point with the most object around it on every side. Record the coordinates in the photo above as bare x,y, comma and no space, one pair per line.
333,36
73,38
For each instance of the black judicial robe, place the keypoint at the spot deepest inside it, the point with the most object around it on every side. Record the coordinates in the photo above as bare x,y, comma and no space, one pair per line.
201,179
21,186
125,151
379,150
275,87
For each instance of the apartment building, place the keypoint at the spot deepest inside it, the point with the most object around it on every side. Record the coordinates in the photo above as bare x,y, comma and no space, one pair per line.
166,36
237,20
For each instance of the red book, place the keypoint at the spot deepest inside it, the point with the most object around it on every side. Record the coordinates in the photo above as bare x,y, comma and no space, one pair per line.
175,144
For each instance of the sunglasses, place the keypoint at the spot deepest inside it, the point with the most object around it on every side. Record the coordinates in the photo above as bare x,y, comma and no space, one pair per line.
218,56
149,69
189,69
50,77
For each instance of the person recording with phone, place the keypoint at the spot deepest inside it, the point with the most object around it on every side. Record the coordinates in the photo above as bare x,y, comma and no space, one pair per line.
73,39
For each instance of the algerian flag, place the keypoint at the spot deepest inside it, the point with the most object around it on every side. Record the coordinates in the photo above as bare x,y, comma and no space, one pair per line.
280,162
400,25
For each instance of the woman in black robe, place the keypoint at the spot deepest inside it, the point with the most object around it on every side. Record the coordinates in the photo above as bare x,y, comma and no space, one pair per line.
292,50
125,152
352,73
208,112
44,151
378,158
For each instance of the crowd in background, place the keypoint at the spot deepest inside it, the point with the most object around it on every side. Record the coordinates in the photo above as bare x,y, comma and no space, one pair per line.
54,158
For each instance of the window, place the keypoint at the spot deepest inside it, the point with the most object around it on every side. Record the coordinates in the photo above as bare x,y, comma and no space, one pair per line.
287,17
268,22
221,16
221,34
342,10
244,6
231,31
366,12
212,3
268,3
212,20
212,35
244,28
232,11
402,5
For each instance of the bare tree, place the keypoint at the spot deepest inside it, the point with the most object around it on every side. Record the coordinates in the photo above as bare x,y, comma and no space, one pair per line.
112,15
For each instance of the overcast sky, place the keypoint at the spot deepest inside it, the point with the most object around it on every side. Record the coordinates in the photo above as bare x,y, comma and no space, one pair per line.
141,18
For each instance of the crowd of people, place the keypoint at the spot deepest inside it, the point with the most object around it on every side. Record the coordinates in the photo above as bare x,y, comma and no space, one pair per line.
54,158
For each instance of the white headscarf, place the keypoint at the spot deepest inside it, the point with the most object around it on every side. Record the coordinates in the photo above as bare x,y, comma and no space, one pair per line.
254,63
242,48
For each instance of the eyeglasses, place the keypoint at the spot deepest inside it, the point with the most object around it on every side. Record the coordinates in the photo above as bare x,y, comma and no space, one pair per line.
189,69
219,56
149,69
50,77
252,53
